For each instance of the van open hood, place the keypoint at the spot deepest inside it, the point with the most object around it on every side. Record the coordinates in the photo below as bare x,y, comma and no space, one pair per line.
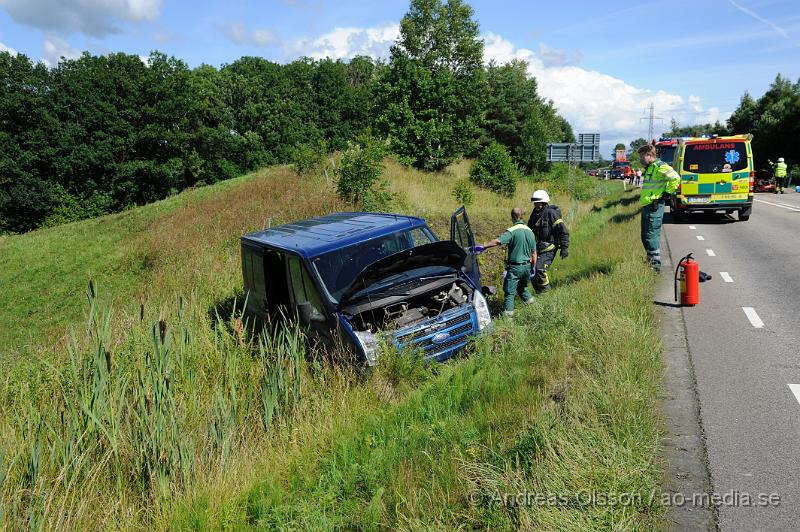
442,253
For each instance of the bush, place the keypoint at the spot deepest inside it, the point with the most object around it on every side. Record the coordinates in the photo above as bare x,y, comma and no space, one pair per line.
573,182
462,192
359,172
495,170
307,157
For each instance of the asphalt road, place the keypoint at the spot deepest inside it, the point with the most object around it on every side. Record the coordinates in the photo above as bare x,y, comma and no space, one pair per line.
745,360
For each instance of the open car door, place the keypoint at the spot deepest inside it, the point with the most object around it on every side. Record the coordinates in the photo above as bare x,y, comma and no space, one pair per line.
461,234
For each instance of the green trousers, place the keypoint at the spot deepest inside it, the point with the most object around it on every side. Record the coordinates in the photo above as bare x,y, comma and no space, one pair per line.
516,282
652,217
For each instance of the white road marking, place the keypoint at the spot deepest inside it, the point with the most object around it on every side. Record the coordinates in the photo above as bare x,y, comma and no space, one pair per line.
726,277
781,205
795,390
711,253
692,227
755,321
700,237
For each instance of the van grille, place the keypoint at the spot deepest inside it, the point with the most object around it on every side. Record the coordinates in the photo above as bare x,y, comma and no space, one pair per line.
458,328
433,329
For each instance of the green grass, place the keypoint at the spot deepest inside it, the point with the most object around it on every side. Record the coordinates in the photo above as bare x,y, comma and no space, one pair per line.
167,414
44,273
560,401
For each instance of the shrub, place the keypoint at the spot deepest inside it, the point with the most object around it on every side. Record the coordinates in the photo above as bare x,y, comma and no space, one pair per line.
573,182
359,172
495,170
307,157
462,192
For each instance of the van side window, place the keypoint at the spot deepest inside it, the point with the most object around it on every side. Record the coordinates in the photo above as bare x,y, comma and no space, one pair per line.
303,288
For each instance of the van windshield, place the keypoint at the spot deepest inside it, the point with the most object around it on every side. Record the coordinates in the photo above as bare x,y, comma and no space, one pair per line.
338,269
665,153
715,157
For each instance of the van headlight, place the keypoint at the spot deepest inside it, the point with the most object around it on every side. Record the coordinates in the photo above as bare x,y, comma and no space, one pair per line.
481,310
369,343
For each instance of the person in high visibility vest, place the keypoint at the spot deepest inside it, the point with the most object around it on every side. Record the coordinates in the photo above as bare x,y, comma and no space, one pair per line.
780,176
660,181
521,246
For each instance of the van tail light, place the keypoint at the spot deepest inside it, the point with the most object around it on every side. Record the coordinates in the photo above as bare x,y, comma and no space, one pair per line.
752,180
678,192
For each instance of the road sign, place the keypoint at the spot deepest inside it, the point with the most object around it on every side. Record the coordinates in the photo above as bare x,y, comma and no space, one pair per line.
586,150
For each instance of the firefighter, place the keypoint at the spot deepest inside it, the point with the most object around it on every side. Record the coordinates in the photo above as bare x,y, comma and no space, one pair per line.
521,246
660,181
780,176
551,235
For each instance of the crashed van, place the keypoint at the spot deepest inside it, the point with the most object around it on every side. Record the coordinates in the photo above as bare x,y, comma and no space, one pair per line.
366,277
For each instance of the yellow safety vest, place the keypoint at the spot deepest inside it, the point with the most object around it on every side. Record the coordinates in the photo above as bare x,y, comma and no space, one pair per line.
658,178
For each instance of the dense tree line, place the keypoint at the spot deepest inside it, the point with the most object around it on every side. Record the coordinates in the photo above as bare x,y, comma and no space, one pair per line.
99,134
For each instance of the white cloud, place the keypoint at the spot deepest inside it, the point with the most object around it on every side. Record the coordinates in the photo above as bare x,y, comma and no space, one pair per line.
239,34
594,102
556,57
92,17
4,48
54,48
346,43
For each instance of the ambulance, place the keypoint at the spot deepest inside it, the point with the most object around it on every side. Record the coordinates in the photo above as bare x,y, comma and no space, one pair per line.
717,174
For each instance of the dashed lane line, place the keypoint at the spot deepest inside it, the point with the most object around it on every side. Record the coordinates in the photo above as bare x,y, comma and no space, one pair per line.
710,253
795,390
700,237
751,314
781,205
726,277
692,227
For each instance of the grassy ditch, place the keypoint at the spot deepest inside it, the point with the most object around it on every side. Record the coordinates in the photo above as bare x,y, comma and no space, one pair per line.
166,413
560,402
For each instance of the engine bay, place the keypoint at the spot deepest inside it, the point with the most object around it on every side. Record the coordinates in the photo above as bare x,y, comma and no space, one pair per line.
398,314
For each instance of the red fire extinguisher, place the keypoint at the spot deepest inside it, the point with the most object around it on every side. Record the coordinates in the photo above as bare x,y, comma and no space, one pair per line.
689,271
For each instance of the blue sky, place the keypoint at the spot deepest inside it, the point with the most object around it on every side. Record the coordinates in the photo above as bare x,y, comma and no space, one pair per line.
602,63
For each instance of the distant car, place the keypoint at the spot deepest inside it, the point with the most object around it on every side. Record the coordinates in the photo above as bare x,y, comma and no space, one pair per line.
617,173
592,173
763,182
365,277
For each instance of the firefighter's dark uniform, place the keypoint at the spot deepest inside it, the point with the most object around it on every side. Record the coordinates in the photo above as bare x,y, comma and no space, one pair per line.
551,234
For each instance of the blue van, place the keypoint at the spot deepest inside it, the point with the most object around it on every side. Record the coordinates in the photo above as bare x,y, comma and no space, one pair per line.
361,277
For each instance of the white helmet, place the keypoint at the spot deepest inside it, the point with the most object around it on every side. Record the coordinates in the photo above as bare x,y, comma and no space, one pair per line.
780,159
540,196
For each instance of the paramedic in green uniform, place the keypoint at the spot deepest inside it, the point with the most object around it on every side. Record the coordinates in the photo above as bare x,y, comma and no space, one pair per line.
521,246
660,181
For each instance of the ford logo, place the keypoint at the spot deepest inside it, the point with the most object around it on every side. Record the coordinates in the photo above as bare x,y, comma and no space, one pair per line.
441,338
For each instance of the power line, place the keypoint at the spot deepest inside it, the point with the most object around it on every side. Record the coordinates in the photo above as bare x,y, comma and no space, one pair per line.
650,120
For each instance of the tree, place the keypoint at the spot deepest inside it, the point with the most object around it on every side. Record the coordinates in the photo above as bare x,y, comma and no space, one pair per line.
518,118
495,170
26,146
434,90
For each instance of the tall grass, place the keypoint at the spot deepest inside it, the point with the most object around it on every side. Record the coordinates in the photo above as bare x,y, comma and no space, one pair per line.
170,413
561,401
136,419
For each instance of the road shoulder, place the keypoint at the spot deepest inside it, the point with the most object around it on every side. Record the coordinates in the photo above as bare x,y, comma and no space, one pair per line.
683,445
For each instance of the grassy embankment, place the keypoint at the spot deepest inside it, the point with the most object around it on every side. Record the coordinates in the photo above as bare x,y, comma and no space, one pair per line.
180,420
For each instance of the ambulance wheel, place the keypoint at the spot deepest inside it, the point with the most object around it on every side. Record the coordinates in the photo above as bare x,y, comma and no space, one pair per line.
744,214
678,217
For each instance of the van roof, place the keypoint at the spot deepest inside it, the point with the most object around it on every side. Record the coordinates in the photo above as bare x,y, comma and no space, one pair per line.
727,138
315,236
